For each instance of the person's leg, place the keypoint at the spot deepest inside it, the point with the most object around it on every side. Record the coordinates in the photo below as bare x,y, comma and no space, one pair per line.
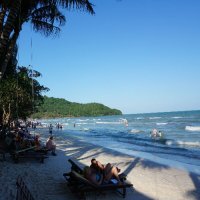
100,166
110,171
114,172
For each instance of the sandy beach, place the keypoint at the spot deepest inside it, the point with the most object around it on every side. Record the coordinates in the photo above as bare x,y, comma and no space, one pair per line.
46,182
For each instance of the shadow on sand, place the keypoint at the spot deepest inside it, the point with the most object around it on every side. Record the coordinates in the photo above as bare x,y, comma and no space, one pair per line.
77,149
82,150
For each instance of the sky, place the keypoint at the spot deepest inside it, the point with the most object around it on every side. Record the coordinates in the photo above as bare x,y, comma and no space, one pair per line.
138,56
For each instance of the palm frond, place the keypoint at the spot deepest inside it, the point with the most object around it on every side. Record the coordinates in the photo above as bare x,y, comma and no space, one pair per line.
77,4
49,14
45,28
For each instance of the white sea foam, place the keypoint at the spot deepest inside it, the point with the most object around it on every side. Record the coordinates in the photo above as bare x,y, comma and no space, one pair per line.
81,123
155,117
169,142
140,118
192,128
44,124
122,119
177,117
183,143
196,144
108,122
83,120
136,131
65,124
162,123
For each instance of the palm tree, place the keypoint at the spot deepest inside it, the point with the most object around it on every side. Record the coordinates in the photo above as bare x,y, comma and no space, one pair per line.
44,15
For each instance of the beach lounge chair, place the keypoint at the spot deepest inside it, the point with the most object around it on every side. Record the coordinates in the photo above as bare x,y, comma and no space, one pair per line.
80,185
28,153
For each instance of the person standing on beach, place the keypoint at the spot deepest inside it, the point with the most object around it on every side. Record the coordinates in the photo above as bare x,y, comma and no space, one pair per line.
50,129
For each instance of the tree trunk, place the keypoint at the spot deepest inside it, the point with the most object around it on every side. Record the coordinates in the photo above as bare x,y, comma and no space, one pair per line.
8,55
2,17
7,31
6,114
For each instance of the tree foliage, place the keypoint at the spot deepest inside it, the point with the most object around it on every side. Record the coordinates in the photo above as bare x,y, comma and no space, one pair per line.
56,107
20,92
45,16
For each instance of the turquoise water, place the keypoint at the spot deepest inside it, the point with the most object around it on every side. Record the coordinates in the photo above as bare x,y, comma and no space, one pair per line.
180,143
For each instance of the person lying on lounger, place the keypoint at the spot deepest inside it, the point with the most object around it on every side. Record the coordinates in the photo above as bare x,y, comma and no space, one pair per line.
110,174
98,167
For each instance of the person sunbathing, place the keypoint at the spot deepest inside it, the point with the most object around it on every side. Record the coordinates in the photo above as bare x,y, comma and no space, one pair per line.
109,173
51,146
98,167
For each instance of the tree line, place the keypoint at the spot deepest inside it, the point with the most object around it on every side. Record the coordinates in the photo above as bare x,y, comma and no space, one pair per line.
57,107
20,92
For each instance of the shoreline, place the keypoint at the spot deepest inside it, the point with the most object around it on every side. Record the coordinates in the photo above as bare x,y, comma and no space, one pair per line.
45,181
164,161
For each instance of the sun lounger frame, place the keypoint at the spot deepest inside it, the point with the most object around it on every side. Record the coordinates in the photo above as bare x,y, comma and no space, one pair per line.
28,153
77,183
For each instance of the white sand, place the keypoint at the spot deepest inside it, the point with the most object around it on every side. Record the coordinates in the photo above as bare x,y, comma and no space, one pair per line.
46,182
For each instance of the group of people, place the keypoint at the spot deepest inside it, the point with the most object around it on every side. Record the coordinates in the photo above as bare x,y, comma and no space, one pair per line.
58,126
99,174
156,134
50,145
21,138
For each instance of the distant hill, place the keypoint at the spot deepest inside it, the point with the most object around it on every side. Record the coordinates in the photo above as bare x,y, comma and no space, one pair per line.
56,107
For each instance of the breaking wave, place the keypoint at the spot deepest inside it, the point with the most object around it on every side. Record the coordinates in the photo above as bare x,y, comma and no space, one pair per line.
192,128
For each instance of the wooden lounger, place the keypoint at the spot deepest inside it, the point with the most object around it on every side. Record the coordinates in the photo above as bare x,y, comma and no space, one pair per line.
81,185
75,167
28,153
43,150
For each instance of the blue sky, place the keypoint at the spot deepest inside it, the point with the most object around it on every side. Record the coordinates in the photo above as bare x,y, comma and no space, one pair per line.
138,56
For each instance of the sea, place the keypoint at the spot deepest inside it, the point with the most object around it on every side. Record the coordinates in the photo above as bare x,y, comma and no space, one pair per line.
178,147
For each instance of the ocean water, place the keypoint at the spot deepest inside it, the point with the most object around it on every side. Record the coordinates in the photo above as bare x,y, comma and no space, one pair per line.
130,134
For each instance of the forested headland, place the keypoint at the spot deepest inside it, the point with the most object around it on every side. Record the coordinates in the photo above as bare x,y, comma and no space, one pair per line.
57,107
